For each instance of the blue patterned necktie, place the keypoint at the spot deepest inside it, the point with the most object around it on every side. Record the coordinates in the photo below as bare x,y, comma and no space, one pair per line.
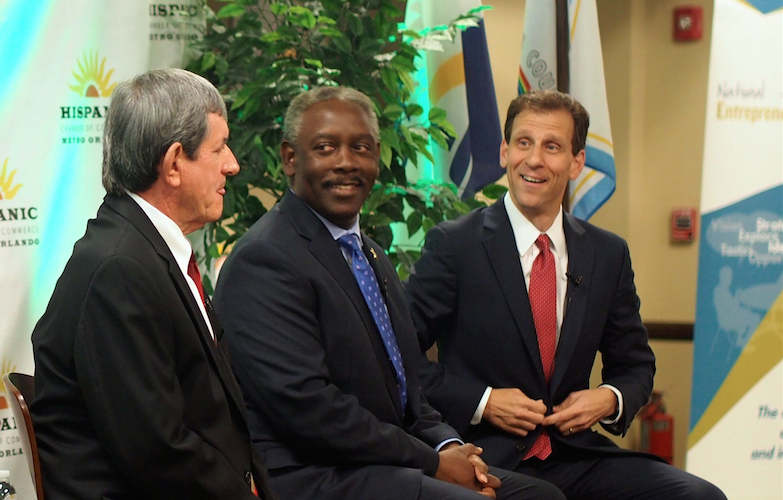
365,278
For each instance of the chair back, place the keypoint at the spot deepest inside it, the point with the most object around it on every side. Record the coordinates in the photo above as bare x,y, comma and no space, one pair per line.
21,390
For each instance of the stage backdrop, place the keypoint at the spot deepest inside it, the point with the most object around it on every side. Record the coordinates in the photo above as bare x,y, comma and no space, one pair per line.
736,427
60,61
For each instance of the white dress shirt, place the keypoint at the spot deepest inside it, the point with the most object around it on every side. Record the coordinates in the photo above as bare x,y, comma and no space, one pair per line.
525,235
178,245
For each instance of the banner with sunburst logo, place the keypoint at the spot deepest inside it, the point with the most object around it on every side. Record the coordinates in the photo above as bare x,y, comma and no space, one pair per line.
60,61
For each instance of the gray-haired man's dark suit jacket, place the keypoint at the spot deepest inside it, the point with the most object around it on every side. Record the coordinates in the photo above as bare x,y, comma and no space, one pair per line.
133,398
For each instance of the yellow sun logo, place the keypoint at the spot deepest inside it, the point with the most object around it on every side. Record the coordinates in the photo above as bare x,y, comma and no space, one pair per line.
6,368
7,188
91,80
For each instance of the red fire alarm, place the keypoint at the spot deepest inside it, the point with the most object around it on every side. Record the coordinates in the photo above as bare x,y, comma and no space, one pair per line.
684,224
688,23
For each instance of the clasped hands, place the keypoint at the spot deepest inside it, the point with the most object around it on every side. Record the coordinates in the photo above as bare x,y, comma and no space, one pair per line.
461,465
514,412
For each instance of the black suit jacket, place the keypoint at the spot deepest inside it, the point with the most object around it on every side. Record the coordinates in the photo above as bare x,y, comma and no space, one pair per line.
133,399
467,292
318,383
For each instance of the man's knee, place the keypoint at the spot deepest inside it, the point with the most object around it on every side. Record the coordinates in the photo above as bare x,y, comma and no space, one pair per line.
516,486
544,491
703,490
676,484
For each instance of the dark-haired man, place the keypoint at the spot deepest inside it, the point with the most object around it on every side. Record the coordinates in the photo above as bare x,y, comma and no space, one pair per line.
321,340
134,395
520,297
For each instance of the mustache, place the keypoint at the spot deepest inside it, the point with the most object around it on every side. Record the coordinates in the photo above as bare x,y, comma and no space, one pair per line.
351,179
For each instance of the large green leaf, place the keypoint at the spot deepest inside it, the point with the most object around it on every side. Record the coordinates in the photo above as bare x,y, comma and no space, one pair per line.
355,24
494,191
208,61
278,8
230,10
302,16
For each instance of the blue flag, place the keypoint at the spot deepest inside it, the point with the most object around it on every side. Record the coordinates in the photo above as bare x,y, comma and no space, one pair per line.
458,78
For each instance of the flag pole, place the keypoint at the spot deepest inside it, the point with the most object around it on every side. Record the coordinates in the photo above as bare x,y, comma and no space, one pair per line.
563,80
563,37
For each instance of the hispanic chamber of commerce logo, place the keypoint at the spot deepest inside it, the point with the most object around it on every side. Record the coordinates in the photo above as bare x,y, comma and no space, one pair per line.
92,78
173,28
7,187
18,222
6,367
178,21
82,122
10,442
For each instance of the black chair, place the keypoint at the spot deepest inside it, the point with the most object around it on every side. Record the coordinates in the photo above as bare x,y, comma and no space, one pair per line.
21,389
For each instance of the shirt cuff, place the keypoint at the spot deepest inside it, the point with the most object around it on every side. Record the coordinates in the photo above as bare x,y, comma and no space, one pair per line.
609,420
480,408
447,441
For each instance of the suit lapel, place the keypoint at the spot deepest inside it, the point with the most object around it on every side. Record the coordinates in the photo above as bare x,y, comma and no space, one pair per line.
581,254
501,248
128,208
328,253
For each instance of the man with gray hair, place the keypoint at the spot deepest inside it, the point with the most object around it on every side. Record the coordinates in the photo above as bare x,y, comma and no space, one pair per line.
321,340
134,394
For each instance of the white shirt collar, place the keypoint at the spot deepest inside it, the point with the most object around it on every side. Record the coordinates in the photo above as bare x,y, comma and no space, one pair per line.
179,246
169,231
526,233
335,230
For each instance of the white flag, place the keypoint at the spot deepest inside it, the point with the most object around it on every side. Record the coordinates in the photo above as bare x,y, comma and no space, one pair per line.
538,70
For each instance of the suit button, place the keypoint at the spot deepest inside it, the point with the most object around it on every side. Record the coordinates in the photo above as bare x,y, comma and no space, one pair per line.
248,476
521,447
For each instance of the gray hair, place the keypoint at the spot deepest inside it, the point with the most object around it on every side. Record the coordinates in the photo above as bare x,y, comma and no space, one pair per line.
147,115
293,116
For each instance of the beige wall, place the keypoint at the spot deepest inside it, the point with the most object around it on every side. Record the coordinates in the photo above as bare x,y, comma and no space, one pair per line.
657,93
674,360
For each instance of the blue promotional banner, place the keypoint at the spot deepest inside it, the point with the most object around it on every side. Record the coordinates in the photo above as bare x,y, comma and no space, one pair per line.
740,283
736,428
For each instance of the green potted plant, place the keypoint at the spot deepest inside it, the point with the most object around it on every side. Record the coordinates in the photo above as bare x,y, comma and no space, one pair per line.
262,53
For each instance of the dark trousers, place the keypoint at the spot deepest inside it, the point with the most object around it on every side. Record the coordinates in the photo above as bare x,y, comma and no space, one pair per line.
387,482
582,475
514,487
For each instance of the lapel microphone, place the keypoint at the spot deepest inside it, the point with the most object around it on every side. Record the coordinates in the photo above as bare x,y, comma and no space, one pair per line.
575,279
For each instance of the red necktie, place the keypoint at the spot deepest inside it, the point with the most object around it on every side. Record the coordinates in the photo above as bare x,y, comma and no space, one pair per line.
543,302
195,275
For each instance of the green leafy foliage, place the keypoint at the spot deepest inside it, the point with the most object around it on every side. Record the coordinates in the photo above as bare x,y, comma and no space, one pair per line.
261,54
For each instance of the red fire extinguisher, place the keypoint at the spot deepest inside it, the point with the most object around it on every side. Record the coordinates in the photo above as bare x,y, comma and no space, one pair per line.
657,428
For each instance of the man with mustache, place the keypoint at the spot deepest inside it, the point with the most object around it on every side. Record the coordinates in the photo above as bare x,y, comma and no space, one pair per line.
134,395
321,340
